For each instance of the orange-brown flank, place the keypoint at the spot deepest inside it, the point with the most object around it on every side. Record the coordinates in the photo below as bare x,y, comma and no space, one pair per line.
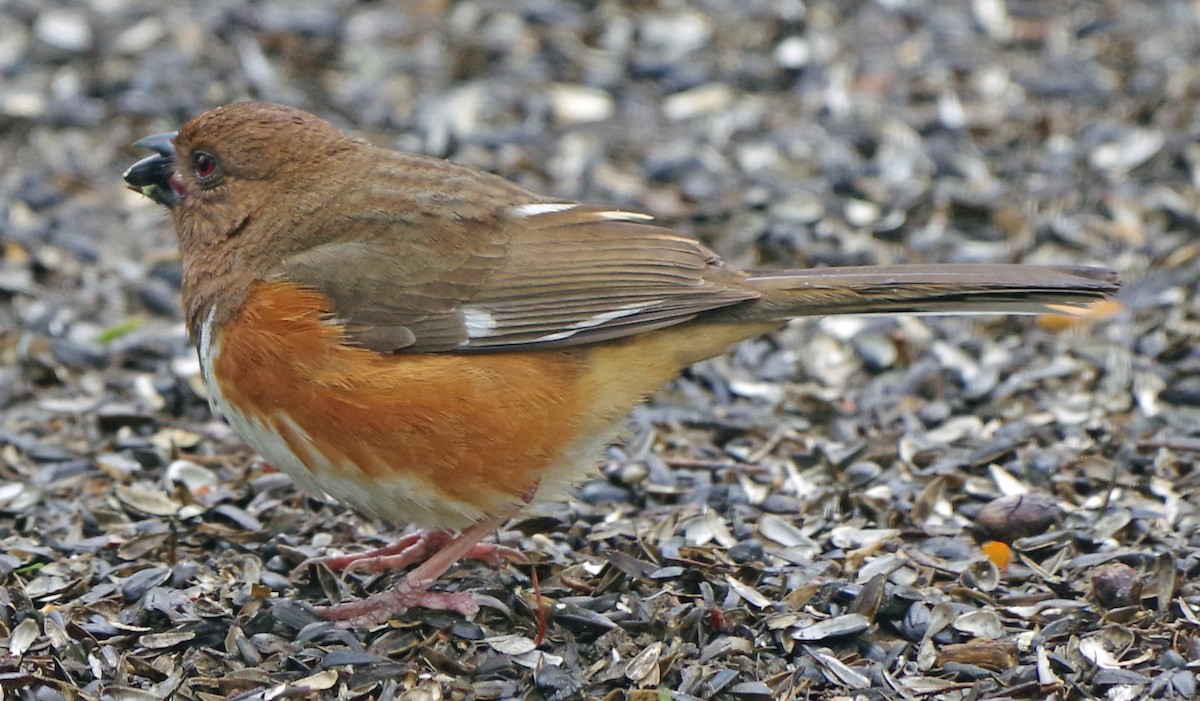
478,429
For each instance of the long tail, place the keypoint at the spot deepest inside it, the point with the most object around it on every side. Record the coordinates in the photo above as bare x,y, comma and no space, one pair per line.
926,289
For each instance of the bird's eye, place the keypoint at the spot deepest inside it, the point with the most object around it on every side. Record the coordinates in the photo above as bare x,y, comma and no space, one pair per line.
204,165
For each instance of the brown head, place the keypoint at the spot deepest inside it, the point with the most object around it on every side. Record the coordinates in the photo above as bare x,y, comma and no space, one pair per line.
238,180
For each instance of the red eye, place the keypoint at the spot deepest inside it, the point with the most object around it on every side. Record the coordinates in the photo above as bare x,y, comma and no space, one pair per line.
205,165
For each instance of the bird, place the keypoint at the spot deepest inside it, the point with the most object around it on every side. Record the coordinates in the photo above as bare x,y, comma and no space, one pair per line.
436,345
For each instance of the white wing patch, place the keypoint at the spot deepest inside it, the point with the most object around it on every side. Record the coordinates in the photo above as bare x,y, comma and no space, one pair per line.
595,320
479,323
618,215
532,210
529,211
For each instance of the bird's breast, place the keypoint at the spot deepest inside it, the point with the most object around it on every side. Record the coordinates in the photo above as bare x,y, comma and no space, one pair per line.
437,439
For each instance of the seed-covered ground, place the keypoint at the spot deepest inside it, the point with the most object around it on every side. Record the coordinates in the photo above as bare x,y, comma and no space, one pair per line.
806,517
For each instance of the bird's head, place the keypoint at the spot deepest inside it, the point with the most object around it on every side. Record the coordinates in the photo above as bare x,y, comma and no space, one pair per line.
234,152
246,184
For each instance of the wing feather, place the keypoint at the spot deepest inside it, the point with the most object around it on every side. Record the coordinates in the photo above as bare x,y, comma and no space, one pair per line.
537,275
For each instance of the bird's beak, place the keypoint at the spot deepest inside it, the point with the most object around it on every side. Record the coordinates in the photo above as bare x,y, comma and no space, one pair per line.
154,176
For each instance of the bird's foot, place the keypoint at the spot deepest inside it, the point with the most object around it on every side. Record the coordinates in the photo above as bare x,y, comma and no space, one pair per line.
379,608
443,550
407,551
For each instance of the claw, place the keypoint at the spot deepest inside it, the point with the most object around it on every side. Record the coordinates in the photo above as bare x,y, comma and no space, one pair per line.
443,549
380,608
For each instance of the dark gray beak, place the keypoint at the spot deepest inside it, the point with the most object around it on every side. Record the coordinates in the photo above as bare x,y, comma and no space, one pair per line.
151,176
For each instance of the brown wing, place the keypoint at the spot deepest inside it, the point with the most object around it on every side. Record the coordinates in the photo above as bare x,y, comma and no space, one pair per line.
537,275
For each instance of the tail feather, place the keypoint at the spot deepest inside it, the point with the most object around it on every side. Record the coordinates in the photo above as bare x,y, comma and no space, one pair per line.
926,289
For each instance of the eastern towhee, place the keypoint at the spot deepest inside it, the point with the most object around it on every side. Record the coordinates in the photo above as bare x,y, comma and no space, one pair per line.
430,343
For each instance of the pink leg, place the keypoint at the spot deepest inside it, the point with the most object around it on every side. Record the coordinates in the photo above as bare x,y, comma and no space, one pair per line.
413,590
406,551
